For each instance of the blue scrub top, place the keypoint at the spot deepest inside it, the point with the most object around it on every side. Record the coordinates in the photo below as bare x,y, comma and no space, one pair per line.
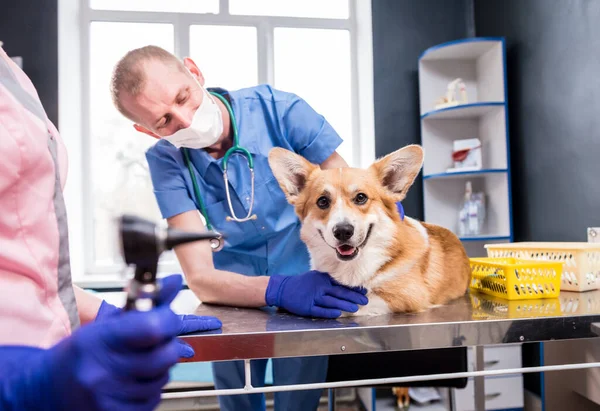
266,118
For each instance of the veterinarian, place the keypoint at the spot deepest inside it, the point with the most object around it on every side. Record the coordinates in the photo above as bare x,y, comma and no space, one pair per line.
263,261
48,360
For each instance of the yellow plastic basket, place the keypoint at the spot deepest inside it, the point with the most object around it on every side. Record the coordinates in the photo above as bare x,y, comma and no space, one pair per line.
581,269
515,279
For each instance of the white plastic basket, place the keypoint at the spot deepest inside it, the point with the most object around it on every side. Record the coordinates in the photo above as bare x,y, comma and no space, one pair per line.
581,261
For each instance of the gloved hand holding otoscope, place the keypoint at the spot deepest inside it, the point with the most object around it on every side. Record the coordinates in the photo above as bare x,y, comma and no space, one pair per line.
142,243
122,360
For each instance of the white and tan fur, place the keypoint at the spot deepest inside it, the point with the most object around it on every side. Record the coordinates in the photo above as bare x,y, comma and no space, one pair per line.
406,265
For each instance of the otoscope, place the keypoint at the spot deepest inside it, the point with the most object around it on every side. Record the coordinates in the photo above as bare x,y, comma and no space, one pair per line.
142,242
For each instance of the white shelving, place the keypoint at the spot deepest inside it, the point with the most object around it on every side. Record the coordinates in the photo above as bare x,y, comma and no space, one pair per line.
443,197
469,110
480,63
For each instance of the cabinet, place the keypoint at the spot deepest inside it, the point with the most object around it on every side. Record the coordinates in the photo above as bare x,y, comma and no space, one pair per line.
481,64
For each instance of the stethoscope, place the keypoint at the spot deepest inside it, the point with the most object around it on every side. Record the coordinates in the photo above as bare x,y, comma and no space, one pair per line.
217,244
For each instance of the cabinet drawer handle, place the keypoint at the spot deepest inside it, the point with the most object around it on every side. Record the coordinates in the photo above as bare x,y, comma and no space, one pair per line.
491,363
492,396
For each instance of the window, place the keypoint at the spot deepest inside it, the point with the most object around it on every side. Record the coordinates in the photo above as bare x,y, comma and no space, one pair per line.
175,6
316,63
313,48
123,186
333,9
227,55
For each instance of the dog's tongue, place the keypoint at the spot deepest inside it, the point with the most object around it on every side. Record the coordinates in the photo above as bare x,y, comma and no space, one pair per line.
345,250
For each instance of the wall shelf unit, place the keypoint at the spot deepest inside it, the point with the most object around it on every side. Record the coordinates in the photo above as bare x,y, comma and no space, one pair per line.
466,174
481,64
473,110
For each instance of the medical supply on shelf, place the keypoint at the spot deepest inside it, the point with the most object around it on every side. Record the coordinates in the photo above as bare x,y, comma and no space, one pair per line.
450,100
581,271
466,155
471,216
516,279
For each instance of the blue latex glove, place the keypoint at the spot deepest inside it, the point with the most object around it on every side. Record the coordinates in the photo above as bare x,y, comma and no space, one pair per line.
119,363
313,294
400,209
187,323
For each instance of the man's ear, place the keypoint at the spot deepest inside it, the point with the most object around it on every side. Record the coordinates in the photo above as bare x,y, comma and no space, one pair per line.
397,171
144,130
193,68
291,171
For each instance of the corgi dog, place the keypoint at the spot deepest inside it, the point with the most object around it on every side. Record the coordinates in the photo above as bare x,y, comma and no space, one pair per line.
354,232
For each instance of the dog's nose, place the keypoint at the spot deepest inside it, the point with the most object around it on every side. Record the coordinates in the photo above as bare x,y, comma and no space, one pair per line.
343,231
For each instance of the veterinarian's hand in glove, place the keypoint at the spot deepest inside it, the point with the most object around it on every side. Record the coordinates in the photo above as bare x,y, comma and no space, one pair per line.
400,209
118,363
313,294
170,286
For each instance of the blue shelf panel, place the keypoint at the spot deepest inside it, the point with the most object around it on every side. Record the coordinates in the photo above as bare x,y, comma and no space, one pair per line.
472,110
461,174
485,238
430,52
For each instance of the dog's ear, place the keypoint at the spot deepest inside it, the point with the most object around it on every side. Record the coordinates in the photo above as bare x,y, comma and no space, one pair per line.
291,171
397,171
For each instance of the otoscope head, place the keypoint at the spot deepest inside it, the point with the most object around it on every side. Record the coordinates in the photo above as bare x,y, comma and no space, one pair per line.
142,241
139,242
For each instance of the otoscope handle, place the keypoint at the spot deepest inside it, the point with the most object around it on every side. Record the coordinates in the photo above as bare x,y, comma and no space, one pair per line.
141,295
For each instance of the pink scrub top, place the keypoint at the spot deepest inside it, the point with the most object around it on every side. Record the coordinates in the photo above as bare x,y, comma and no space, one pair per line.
37,302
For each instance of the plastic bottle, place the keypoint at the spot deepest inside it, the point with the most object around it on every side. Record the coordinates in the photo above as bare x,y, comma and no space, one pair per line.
474,221
463,215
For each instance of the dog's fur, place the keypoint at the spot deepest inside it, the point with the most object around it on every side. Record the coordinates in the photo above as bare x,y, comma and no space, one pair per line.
406,265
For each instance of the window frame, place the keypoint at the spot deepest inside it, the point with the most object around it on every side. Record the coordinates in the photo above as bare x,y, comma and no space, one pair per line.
75,18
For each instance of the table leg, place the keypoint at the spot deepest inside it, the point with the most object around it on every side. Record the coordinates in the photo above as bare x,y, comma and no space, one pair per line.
479,381
449,403
247,374
331,396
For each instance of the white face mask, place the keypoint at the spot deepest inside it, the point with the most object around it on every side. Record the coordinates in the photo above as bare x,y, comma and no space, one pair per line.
206,127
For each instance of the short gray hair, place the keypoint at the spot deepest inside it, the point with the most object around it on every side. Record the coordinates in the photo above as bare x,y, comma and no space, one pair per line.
129,77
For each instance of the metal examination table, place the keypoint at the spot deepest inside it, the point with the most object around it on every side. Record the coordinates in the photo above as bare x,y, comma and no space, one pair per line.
476,320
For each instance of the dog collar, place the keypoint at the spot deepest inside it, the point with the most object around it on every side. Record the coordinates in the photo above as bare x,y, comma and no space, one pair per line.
400,210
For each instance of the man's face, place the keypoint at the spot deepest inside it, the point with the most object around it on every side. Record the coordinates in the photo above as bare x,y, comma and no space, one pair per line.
168,100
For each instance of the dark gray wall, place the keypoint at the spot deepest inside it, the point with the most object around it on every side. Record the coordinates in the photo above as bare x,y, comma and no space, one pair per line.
554,112
402,30
29,28
553,49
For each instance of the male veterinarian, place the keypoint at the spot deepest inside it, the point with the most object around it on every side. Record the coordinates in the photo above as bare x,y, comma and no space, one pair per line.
116,360
263,261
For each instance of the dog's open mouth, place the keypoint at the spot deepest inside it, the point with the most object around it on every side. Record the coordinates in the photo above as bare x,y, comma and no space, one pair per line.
346,252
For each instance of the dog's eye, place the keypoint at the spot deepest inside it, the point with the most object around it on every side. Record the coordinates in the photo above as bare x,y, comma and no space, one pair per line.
323,202
361,198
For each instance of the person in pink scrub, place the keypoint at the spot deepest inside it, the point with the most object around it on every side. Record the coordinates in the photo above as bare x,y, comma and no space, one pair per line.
62,348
